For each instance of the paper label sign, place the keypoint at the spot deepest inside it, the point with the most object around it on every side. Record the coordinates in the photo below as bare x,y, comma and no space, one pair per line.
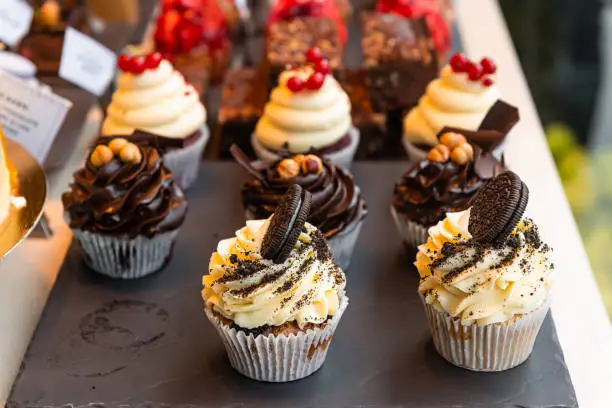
15,19
86,63
30,115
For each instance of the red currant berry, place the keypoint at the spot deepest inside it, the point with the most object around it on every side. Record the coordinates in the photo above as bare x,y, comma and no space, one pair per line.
487,82
459,63
137,65
474,72
322,66
314,55
315,81
488,66
124,63
153,60
295,84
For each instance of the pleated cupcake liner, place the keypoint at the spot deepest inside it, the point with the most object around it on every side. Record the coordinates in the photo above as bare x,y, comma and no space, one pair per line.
278,358
341,245
123,257
487,348
413,234
415,153
185,163
343,158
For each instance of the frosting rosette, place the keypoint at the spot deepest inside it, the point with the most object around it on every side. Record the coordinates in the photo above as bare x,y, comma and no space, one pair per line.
453,100
484,284
304,120
253,291
157,101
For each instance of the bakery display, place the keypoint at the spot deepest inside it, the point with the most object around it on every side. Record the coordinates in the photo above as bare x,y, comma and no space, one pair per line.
274,287
485,280
125,210
307,112
153,103
338,206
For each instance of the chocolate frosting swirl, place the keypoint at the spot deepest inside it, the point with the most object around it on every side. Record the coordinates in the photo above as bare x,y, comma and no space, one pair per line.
336,200
126,199
428,191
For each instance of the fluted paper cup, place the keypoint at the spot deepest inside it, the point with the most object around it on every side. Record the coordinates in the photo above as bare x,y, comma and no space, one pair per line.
185,163
412,233
415,153
124,257
343,243
491,347
343,158
278,358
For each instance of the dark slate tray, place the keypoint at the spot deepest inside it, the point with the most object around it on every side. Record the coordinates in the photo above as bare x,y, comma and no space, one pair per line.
148,343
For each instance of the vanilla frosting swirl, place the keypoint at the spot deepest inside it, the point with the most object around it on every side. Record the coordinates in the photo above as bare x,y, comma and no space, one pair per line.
158,101
483,284
306,119
254,292
451,100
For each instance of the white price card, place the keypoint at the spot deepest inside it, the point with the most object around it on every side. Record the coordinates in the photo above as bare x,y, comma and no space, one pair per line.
30,114
15,19
87,63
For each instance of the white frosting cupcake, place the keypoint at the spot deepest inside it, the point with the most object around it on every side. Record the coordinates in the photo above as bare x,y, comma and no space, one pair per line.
454,99
157,101
305,119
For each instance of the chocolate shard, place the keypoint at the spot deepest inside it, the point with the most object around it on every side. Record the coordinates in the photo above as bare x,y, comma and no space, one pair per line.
243,160
496,125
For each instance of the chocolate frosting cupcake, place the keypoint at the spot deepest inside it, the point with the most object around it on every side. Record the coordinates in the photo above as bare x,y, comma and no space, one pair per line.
447,181
336,200
118,195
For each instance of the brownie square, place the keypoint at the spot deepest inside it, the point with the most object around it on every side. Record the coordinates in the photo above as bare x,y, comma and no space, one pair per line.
371,125
288,42
400,59
242,103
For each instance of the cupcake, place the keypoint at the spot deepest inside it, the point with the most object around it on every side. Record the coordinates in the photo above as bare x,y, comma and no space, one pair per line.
338,207
485,280
308,112
153,103
445,181
461,97
125,210
274,295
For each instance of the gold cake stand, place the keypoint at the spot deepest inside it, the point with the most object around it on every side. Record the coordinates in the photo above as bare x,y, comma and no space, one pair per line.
32,186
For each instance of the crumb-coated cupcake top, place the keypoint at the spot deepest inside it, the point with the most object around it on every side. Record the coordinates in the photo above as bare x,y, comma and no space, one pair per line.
484,284
307,110
446,181
253,291
336,201
152,96
124,189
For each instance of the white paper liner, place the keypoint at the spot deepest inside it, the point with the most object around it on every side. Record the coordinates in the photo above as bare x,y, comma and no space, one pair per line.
492,347
342,245
123,257
412,233
185,163
415,153
278,358
343,157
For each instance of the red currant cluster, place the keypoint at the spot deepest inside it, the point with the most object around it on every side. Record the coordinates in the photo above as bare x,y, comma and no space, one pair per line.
476,71
315,81
138,64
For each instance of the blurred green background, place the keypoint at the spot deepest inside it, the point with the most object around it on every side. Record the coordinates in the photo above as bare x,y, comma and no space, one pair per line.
563,47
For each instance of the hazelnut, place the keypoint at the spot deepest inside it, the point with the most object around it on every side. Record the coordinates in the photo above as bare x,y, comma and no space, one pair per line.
462,154
452,140
117,144
299,158
288,169
312,164
101,156
130,153
439,154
